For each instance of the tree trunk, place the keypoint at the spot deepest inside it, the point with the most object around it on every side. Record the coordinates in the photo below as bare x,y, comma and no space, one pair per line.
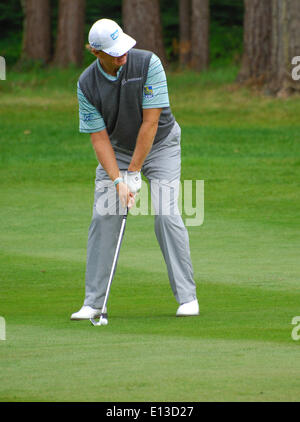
257,41
37,30
271,40
70,34
285,46
200,34
185,32
141,20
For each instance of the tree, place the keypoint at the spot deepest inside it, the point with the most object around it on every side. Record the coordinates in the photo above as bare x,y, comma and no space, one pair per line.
285,46
194,22
70,33
200,34
257,41
271,40
36,31
141,20
185,32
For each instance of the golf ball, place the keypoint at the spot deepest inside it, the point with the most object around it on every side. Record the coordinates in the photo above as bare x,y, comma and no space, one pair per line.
103,321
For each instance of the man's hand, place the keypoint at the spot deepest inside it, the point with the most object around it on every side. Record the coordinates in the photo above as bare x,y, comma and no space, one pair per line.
126,197
133,180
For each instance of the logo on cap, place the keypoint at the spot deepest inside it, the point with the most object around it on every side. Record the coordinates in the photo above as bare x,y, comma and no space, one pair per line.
95,45
115,34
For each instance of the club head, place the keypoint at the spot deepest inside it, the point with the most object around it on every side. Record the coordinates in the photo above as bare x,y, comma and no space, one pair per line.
101,321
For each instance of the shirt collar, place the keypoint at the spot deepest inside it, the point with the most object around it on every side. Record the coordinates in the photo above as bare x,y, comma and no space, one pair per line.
110,77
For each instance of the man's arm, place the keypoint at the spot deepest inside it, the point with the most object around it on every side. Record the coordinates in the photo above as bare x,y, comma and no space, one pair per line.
106,157
145,138
105,153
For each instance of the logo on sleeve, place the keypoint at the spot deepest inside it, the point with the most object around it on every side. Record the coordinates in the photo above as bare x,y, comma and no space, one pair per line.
87,117
148,91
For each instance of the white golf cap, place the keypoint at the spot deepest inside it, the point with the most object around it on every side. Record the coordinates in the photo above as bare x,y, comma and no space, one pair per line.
106,35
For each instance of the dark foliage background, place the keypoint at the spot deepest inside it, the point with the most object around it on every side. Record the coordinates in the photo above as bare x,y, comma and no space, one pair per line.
226,37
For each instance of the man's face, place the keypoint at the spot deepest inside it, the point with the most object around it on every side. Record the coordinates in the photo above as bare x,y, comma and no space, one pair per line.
111,61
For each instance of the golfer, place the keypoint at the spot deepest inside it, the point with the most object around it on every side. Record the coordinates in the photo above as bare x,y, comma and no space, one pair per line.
124,105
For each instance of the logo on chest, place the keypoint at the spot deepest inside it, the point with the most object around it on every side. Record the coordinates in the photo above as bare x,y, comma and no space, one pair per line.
125,81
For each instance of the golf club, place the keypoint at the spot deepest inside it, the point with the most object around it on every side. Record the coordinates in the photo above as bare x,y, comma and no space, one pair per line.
103,317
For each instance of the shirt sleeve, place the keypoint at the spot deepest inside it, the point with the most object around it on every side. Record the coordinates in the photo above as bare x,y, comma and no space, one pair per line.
155,93
90,120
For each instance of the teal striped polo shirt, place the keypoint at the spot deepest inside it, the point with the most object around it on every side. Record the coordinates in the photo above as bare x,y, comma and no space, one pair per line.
90,120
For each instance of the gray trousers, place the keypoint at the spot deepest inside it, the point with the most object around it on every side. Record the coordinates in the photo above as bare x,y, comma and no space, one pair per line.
162,169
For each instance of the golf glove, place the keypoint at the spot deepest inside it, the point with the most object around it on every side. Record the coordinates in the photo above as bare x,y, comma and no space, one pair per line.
133,180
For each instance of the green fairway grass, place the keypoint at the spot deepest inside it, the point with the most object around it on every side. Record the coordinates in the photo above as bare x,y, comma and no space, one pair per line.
245,146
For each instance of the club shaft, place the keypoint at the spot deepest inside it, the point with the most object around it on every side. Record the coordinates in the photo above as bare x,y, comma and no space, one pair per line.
114,264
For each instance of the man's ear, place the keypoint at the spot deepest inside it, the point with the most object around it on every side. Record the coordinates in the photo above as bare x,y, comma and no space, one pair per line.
92,50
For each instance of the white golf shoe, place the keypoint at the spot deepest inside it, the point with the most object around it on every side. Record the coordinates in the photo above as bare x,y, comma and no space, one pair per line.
188,309
86,312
